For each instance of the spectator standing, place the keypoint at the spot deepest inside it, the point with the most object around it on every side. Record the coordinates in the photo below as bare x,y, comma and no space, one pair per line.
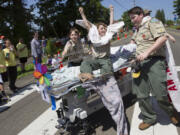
3,74
43,44
22,53
10,61
36,49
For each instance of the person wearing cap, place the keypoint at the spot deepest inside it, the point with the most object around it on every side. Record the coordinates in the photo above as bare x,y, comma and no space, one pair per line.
22,53
3,75
150,37
10,60
147,12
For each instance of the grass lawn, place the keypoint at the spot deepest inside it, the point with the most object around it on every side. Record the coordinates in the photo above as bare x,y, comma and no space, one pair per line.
177,27
29,69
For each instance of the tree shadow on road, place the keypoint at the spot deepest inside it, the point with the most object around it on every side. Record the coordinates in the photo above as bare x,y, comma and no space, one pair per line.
102,120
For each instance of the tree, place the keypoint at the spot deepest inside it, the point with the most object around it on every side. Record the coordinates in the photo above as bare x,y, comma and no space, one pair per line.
15,20
57,17
163,16
127,20
177,7
160,15
49,12
169,22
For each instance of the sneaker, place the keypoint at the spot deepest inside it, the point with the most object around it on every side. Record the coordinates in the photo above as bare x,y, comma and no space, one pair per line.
5,96
143,126
17,88
85,77
174,120
14,90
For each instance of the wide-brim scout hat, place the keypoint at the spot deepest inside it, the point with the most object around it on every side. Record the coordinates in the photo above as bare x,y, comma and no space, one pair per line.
146,11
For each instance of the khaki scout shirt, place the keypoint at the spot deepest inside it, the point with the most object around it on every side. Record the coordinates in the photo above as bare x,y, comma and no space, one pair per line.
74,52
101,52
145,37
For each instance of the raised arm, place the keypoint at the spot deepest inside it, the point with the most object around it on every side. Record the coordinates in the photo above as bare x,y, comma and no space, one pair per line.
111,14
64,52
88,25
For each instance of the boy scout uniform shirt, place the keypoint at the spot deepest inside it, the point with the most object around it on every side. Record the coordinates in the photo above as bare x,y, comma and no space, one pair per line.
145,37
12,58
101,52
24,52
2,62
74,51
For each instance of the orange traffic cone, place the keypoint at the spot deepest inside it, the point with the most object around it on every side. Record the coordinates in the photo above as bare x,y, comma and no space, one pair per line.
118,38
125,35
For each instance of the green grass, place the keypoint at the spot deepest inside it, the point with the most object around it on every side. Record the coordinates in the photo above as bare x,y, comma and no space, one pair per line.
175,27
29,69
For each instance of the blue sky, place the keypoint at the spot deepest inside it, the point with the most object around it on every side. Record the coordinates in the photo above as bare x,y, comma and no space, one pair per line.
122,5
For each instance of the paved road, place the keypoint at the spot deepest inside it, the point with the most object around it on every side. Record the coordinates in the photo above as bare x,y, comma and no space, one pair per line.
27,112
176,47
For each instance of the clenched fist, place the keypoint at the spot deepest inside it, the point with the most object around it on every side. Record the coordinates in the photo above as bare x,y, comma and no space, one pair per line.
81,9
111,8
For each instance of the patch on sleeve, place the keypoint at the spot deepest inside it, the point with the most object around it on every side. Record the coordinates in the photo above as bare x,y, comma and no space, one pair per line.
161,30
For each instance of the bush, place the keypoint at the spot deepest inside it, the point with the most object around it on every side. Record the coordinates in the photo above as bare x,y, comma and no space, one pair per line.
52,47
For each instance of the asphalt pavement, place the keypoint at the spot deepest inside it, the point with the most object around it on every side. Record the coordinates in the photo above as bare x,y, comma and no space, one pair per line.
27,106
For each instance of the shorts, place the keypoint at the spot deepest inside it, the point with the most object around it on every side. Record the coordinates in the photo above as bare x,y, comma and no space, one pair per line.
23,60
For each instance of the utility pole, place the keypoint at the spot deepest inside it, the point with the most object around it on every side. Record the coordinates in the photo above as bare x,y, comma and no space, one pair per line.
134,3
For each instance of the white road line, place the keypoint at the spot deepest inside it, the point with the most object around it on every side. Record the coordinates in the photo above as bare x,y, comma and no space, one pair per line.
17,97
163,126
43,125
